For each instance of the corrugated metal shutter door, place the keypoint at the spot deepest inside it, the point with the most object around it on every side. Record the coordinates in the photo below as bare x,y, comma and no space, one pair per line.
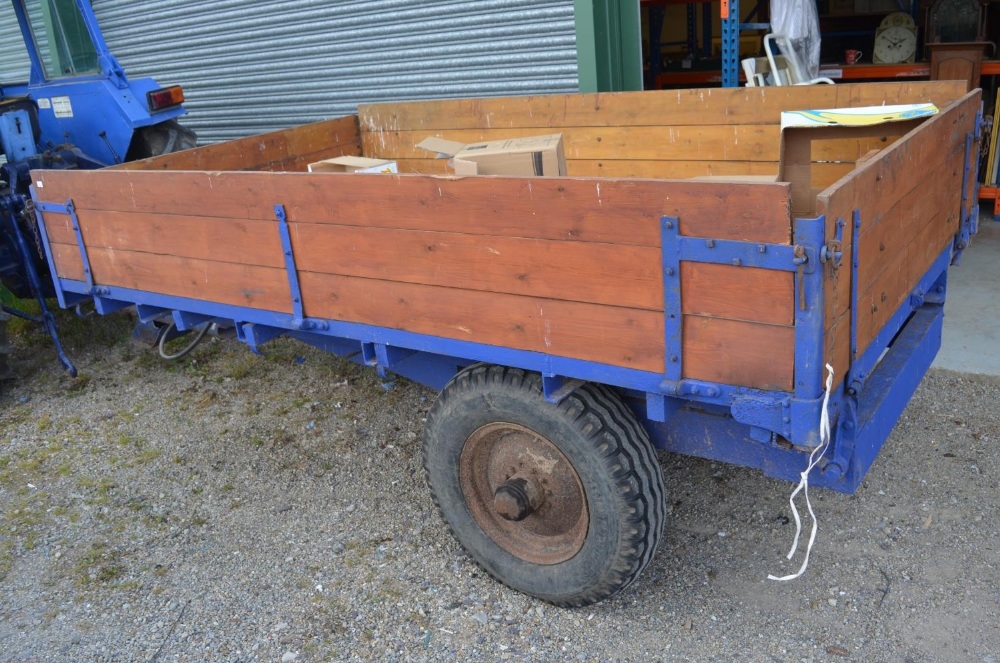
248,67
14,62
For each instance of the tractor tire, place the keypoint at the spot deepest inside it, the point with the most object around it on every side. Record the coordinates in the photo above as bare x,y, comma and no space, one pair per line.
162,138
562,502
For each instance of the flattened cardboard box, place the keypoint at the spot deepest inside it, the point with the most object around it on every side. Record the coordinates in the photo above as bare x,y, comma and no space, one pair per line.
349,164
531,155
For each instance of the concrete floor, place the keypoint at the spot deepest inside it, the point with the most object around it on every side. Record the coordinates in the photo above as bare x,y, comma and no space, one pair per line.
971,341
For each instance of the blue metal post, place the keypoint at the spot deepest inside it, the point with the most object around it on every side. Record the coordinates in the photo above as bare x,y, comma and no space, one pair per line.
731,46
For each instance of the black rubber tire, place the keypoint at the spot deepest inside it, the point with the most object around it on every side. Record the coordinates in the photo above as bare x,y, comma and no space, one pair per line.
163,138
610,452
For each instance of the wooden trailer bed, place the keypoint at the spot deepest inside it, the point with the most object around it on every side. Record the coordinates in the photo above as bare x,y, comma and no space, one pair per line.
569,267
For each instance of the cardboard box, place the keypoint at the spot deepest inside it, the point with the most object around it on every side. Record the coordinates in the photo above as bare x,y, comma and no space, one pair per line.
353,165
800,128
532,155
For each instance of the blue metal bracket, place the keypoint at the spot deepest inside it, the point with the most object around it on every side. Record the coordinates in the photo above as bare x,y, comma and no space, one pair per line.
149,313
388,356
809,237
855,239
290,268
186,321
969,223
369,354
740,254
660,407
88,275
672,321
832,252
556,387
105,305
301,322
256,335
46,318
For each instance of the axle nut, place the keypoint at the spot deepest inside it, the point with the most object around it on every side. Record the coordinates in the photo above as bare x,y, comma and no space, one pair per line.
512,500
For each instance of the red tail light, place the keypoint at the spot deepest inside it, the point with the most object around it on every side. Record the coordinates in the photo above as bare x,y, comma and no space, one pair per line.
166,97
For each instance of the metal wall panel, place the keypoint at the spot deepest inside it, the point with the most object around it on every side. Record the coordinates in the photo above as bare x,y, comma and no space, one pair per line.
14,63
249,67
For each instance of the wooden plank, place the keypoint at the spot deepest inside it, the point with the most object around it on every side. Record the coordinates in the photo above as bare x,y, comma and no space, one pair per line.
242,241
605,334
737,293
737,352
650,169
69,264
660,107
934,198
615,275
586,210
592,272
667,143
329,137
894,285
252,286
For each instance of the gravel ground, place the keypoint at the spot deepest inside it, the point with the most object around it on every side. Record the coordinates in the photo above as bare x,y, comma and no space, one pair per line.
231,507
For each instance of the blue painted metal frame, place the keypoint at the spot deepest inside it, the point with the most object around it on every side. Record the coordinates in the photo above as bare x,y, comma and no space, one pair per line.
793,415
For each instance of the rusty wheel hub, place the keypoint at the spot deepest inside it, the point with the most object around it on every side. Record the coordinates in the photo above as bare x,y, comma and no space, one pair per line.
524,493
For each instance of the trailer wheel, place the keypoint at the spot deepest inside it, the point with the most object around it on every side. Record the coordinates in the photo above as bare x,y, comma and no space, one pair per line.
563,502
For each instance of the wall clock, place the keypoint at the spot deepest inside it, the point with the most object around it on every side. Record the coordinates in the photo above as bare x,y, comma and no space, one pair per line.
895,40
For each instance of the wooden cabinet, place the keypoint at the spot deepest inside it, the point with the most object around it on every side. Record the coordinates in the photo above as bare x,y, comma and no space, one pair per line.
959,61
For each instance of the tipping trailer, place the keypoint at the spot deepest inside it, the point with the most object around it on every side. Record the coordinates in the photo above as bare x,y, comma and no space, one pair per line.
652,299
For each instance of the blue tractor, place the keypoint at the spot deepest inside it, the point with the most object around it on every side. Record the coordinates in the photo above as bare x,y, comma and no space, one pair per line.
77,109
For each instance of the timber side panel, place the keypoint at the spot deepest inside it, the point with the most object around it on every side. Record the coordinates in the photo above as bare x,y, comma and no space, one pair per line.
899,194
615,275
586,210
683,143
606,334
244,241
709,106
737,293
522,266
206,280
738,352
285,150
694,132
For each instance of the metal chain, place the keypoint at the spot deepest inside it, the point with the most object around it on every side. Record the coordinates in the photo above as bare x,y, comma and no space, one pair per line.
31,219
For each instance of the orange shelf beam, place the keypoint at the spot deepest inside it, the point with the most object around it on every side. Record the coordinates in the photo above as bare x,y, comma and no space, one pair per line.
991,193
861,72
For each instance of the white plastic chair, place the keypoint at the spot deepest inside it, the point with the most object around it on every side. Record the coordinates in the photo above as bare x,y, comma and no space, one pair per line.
795,71
759,72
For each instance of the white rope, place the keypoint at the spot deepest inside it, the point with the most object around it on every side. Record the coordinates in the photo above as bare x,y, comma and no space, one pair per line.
814,457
